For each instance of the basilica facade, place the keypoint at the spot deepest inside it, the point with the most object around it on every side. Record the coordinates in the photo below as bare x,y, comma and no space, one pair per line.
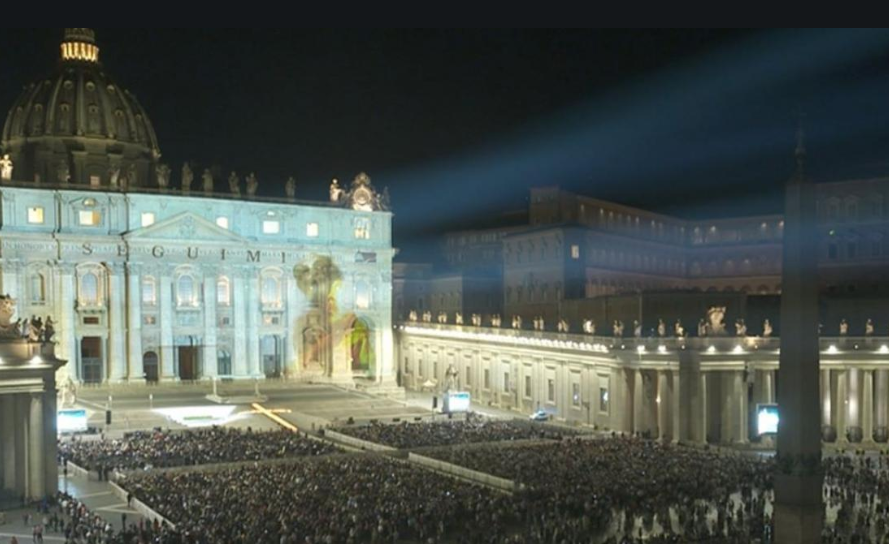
150,280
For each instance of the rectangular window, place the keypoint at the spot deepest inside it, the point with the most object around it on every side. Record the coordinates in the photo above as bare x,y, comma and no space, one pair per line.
506,382
575,395
575,252
551,390
147,219
35,216
91,321
362,230
604,400
312,230
225,321
527,387
222,222
271,227
487,379
90,218
149,293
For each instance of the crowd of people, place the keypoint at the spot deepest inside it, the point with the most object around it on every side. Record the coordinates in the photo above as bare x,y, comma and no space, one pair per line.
472,430
628,488
615,490
336,499
164,449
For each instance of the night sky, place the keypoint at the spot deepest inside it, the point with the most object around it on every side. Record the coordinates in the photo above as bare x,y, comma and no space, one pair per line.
460,124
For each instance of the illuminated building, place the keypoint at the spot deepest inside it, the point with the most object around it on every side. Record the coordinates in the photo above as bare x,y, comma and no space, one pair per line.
148,281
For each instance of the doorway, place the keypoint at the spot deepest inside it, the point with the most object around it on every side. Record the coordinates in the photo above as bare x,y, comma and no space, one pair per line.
271,357
91,360
188,364
150,367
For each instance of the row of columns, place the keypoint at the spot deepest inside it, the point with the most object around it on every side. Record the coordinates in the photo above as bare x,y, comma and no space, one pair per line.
855,405
28,466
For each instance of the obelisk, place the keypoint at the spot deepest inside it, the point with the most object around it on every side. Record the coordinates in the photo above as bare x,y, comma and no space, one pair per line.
799,509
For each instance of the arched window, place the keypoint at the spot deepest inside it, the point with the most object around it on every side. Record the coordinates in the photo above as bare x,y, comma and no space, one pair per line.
38,288
362,295
271,291
149,292
223,292
89,289
185,291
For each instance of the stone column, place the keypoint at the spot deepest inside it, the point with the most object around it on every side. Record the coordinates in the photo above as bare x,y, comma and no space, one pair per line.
50,461
639,423
210,324
253,313
769,386
853,409
867,406
663,405
67,337
703,407
678,425
239,307
881,396
8,424
842,404
291,365
117,353
168,371
740,414
11,271
36,476
134,334
799,508
828,432
627,395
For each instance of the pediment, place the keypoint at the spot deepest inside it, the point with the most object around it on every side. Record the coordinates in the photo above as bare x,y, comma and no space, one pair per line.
185,227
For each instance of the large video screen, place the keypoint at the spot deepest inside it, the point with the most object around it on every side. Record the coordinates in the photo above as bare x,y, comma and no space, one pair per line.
457,402
72,421
767,419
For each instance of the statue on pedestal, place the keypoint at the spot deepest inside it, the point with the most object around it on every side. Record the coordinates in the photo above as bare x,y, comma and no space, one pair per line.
163,176
476,320
767,330
187,178
716,316
458,319
412,317
661,328
740,328
234,184
516,322
451,376
207,178
869,327
290,188
336,192
496,321
844,328
442,318
132,176
6,168
589,327
703,328
427,317
563,326
252,185
49,330
678,329
63,172
637,329
35,328
618,329
8,329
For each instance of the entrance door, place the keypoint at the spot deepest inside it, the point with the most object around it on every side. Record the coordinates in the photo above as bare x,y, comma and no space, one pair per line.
91,360
150,367
271,357
188,364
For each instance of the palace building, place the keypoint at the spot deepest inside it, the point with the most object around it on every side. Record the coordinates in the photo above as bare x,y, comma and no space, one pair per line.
151,280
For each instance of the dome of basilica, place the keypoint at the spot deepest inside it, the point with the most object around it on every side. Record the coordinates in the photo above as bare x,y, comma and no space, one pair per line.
78,126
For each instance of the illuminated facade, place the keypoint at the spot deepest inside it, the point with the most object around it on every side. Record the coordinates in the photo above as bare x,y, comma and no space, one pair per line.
150,282
688,389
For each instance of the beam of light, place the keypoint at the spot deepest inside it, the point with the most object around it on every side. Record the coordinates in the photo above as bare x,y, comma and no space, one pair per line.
275,417
729,107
